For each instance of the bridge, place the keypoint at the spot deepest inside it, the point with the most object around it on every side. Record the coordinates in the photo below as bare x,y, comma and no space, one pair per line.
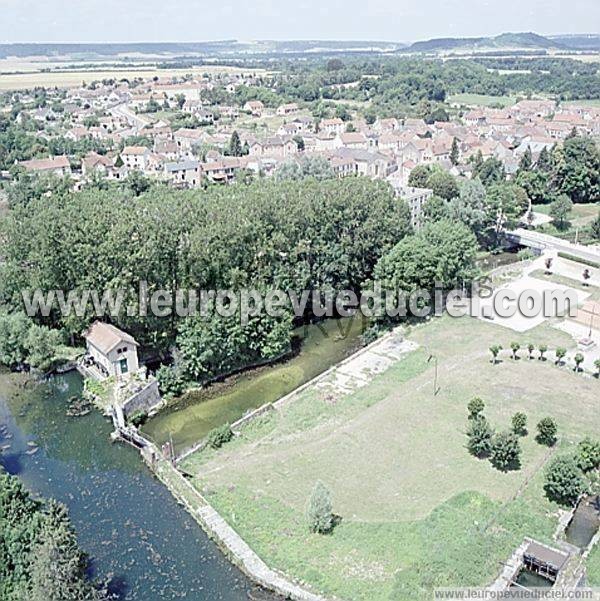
542,242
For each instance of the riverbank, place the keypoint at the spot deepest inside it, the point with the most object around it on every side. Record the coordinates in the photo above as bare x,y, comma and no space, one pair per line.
187,420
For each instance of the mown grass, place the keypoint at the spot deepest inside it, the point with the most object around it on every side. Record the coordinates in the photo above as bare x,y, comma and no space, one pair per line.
481,100
417,511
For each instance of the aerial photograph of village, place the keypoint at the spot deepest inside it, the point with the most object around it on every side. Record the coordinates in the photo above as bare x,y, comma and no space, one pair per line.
299,301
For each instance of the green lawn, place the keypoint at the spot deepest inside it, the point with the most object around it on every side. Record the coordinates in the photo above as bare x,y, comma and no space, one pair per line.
481,100
417,510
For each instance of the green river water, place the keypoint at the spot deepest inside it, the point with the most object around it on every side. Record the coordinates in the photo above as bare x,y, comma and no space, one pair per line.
190,418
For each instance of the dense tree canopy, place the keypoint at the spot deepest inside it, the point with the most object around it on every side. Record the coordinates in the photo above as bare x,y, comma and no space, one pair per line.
290,235
39,556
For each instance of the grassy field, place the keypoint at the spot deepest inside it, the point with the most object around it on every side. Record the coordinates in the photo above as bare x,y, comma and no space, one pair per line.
579,220
481,100
417,511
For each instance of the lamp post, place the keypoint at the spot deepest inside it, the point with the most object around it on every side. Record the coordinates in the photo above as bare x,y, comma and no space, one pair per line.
435,377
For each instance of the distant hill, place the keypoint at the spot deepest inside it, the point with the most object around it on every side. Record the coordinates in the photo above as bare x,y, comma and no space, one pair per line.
589,41
272,48
527,40
223,48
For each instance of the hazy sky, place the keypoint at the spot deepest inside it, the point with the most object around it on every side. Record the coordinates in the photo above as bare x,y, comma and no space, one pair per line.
189,20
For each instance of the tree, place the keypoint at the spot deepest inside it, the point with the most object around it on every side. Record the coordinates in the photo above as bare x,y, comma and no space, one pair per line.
137,182
595,228
13,333
443,252
586,275
480,436
170,380
235,145
560,353
564,481
58,566
470,207
579,359
543,348
577,170
526,161
419,176
560,210
443,184
495,350
544,162
506,451
519,423
588,454
547,431
41,344
475,407
548,265
435,209
530,349
454,152
515,347
319,513
491,172
597,366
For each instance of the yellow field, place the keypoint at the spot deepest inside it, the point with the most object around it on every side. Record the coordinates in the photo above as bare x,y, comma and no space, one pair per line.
74,78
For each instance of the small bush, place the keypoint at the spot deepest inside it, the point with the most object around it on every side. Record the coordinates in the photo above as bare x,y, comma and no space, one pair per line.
506,451
319,513
588,454
138,418
519,423
480,436
475,407
219,436
547,430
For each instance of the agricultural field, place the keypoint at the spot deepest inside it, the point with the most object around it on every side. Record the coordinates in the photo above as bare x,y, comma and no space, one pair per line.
75,77
476,100
415,510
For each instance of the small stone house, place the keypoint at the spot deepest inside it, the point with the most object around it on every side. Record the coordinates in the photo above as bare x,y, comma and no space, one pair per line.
111,350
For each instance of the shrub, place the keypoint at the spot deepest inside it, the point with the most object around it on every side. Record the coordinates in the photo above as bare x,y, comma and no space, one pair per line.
564,481
219,436
506,451
495,350
475,407
138,418
519,423
547,430
319,514
588,454
170,380
480,436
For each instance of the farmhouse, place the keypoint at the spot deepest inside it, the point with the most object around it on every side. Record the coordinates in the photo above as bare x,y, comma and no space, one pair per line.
287,109
255,107
111,351
135,157
57,165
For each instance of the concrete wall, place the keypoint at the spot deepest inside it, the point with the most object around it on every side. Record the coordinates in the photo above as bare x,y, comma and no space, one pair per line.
146,399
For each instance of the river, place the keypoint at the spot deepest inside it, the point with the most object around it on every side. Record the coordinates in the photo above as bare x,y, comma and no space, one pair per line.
190,418
126,520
